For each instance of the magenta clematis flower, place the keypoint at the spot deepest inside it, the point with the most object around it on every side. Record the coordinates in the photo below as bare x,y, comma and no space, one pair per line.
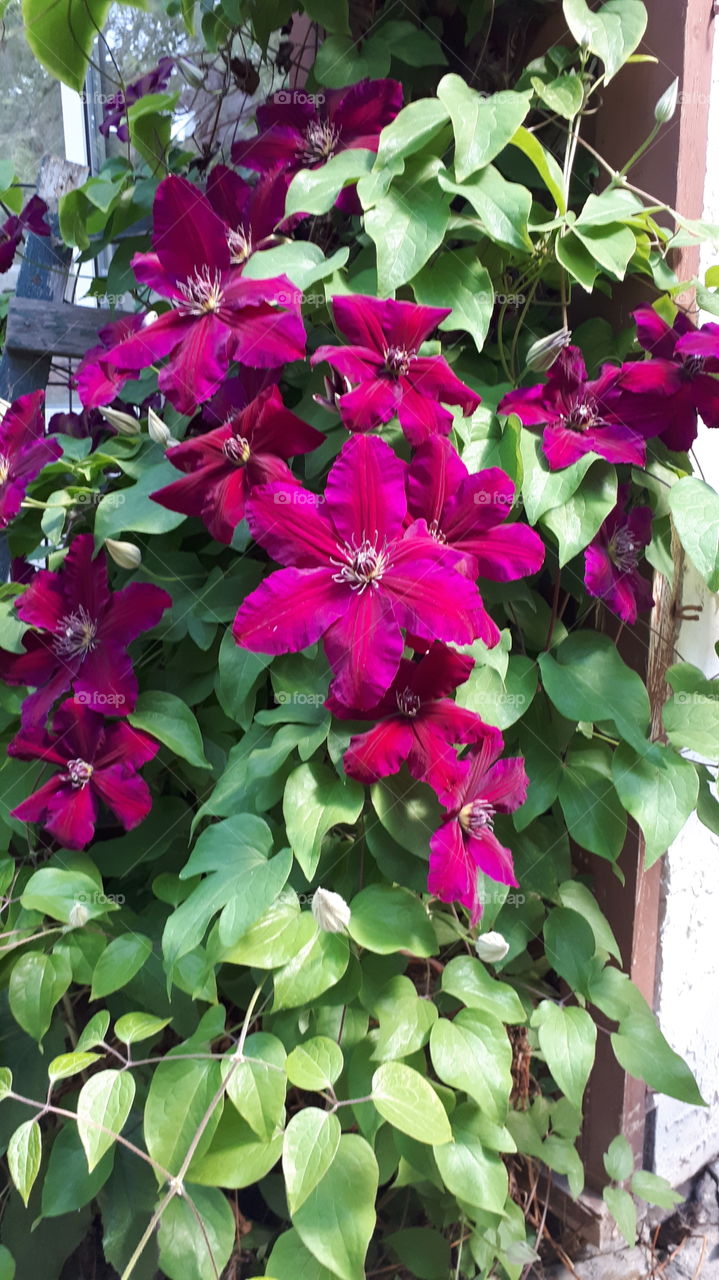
468,512
250,214
97,381
418,723
676,384
465,843
297,131
98,761
390,376
24,451
222,466
355,575
115,110
581,416
217,316
82,633
32,218
611,560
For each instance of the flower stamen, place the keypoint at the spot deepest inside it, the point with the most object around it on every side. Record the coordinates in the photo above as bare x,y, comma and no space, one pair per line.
202,292
237,450
476,817
397,361
362,564
408,702
78,634
320,142
79,773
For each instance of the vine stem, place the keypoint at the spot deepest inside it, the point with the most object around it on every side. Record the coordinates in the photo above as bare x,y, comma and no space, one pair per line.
45,1108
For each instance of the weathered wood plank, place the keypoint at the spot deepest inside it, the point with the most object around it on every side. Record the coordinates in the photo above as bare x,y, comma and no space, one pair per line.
54,328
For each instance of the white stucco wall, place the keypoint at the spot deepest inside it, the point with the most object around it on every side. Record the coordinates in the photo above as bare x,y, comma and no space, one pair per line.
686,1138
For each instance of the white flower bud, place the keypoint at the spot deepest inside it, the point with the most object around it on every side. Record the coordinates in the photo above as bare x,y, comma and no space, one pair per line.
157,430
122,422
4,406
125,554
491,947
544,351
79,915
667,104
330,911
150,318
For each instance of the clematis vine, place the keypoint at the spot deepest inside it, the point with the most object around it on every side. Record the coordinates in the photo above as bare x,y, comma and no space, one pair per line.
216,316
465,843
612,558
31,218
469,513
24,451
581,416
301,132
224,465
387,374
355,575
97,762
417,724
676,386
80,633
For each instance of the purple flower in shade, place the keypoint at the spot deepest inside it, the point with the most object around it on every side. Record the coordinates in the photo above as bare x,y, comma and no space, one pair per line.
32,218
82,633
223,466
581,416
468,513
97,381
154,81
98,761
295,132
250,214
390,376
418,723
676,384
24,451
234,395
611,560
217,316
355,575
465,843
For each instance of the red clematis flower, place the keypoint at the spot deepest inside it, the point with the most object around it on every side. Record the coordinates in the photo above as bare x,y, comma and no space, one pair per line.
390,376
222,466
217,315
82,633
581,416
114,113
250,214
612,558
468,513
32,218
356,576
24,451
418,723
676,385
465,843
301,131
98,761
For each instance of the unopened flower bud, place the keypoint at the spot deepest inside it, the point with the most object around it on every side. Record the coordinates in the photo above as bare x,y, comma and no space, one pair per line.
330,911
4,406
336,385
667,104
125,554
122,422
79,915
491,947
150,318
543,353
157,430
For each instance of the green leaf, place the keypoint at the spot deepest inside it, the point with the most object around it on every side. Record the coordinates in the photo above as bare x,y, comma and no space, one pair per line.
587,680
37,982
7,1264
468,980
386,919
316,800
311,1143
642,1050
131,1028
318,966
660,797
105,1100
337,1219
655,1190
623,1210
196,1246
407,810
414,126
119,962
470,1172
544,162
67,1184
576,258
55,891
24,1152
170,720
406,1100
542,489
407,226
577,520
564,95
315,190
330,14
619,1159
502,207
131,510
691,717
61,35
257,1088
411,44
94,1031
570,946
342,61
483,124
567,1038
576,895
613,247
315,1064
612,32
405,1023
473,1053
5,1082
592,809
276,937
459,281
695,511
235,1157
69,1064
180,1093
290,1260
424,1252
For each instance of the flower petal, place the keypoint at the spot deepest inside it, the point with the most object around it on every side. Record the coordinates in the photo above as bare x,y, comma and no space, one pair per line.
365,493
364,648
292,525
370,405
187,234
125,793
452,870
289,611
379,752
